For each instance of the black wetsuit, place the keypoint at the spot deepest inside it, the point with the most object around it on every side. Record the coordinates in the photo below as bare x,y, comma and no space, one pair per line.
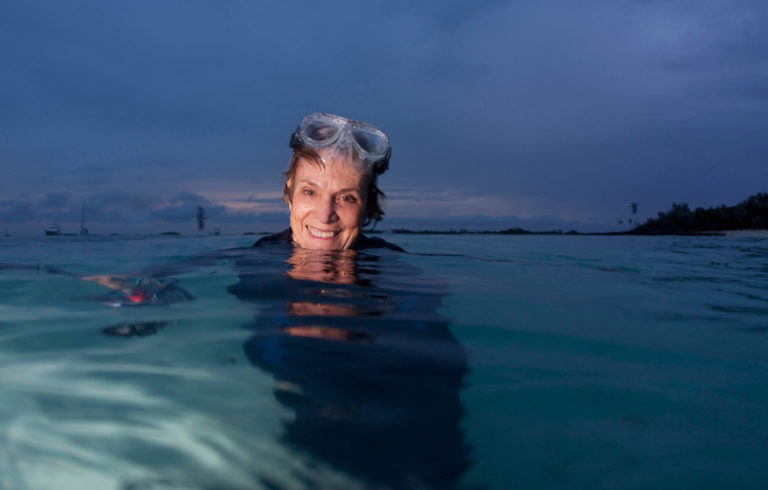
362,243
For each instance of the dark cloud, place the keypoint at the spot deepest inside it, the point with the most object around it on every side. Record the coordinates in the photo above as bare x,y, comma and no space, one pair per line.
114,211
188,198
261,200
57,200
15,212
583,106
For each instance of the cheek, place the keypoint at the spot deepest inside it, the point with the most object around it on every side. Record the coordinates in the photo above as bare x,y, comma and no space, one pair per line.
356,216
298,205
296,214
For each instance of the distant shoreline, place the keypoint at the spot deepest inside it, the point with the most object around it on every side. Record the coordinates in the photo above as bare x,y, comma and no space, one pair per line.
757,233
744,232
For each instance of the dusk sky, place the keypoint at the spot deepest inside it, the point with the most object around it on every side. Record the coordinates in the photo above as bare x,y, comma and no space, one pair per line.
538,114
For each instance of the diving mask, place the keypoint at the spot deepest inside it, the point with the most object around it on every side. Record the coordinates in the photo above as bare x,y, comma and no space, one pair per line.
321,131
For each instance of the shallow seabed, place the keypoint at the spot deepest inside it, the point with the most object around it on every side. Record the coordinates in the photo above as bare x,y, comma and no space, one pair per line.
591,362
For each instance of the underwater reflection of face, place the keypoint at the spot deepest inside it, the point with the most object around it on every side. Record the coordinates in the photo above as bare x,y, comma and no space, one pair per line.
327,204
335,266
325,266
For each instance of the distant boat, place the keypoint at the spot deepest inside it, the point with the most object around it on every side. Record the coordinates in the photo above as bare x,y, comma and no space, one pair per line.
53,230
83,229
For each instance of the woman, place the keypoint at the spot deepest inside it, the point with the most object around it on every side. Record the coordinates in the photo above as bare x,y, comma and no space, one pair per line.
331,184
366,364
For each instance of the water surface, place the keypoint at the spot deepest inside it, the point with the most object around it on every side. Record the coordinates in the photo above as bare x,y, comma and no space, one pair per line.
473,361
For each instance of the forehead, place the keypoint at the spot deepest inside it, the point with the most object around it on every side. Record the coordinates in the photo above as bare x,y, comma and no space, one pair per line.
336,175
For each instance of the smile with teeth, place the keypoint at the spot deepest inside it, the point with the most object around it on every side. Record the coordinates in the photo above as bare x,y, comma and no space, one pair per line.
320,233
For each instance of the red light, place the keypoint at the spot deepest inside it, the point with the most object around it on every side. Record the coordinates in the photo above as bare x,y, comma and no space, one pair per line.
136,297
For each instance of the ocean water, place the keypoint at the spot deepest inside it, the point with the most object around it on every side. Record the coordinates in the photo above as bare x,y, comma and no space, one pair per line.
482,362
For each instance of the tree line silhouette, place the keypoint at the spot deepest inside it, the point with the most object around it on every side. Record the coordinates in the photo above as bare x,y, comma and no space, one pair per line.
749,214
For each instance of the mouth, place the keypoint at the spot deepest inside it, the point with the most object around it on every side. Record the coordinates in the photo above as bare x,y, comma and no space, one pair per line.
323,235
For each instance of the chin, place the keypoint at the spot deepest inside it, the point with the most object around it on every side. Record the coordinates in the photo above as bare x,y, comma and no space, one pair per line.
314,245
336,243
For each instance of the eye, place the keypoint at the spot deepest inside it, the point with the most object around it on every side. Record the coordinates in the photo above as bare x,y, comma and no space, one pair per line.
308,192
348,199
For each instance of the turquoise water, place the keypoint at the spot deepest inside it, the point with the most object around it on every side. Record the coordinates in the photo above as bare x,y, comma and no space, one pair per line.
529,361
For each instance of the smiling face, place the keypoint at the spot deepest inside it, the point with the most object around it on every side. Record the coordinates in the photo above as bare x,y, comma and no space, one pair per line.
327,204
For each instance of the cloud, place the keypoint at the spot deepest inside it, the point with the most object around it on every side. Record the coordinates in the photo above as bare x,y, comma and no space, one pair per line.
119,211
189,199
16,211
56,200
585,106
457,203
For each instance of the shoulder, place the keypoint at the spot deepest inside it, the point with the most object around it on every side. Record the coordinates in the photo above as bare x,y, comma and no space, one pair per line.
282,238
376,242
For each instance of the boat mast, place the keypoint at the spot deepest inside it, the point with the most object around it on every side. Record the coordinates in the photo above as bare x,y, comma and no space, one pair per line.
200,218
83,229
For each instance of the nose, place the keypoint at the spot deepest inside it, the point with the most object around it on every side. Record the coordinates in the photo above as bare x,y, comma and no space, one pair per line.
326,210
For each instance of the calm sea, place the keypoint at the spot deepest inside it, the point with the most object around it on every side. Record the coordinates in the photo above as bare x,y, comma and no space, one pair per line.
491,362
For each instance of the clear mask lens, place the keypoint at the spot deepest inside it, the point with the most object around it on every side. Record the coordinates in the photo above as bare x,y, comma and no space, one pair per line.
320,131
370,140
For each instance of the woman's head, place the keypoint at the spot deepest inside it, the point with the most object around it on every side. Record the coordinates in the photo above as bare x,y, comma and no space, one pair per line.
331,180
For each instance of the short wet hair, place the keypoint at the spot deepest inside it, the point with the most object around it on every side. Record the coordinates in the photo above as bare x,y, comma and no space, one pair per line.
373,211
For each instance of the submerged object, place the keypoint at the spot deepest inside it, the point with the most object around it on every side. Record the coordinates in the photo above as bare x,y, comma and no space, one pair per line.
146,291
139,329
48,269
